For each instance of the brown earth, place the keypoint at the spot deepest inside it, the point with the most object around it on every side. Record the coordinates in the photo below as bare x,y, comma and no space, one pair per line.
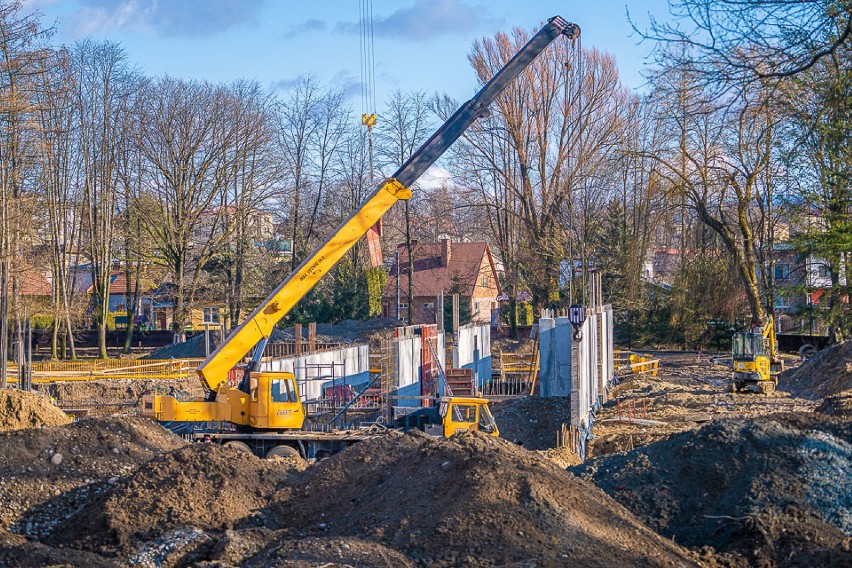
839,405
23,409
48,473
826,373
205,486
689,391
472,500
768,489
531,422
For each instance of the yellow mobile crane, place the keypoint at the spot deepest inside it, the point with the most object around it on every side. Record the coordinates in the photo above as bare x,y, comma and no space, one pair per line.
755,360
265,410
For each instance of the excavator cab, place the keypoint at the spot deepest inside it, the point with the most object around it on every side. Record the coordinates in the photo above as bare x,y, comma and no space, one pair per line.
755,361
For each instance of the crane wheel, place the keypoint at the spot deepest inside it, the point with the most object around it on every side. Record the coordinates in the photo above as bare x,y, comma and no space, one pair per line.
239,446
283,452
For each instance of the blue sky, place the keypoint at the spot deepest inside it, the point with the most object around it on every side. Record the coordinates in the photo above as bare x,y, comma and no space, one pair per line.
419,44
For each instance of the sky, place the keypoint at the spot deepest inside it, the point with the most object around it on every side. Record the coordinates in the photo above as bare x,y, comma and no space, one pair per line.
419,45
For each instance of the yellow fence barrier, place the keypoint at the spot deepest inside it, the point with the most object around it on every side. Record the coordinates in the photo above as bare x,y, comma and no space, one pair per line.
638,364
140,369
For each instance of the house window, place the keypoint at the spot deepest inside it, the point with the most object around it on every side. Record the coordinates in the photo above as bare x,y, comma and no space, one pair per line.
485,281
211,316
823,271
429,305
782,271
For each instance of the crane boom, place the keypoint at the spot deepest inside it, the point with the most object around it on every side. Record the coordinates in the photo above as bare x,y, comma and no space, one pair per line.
259,325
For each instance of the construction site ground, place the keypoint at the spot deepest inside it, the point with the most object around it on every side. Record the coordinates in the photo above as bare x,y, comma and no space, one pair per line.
701,477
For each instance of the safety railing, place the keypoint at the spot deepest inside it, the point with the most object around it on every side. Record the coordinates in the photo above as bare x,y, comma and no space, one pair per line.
140,369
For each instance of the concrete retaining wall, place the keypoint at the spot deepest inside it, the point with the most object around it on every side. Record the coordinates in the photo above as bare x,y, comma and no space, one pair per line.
409,357
581,369
472,350
317,371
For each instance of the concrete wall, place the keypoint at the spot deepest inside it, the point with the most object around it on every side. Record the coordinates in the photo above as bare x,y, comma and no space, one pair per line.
472,350
580,369
314,372
408,354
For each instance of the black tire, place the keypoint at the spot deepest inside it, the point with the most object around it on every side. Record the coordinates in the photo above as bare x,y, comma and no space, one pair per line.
283,451
322,454
239,446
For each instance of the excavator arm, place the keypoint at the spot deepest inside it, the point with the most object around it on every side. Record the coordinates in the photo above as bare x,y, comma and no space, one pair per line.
255,330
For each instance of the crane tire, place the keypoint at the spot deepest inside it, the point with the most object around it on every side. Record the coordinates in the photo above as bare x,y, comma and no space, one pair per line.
239,446
283,451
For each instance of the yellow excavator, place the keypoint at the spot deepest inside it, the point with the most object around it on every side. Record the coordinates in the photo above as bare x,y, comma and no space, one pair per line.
264,413
755,360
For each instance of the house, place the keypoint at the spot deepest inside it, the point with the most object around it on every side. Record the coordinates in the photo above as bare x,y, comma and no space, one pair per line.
117,298
467,269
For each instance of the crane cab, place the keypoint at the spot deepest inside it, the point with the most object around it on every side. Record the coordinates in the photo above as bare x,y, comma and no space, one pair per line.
274,401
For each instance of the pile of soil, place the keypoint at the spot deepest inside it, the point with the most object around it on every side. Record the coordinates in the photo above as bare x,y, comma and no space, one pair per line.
204,486
767,489
472,500
46,474
826,373
23,409
193,347
532,422
839,405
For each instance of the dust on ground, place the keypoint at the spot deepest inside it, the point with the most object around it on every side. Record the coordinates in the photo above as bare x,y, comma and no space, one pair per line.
24,409
827,373
768,489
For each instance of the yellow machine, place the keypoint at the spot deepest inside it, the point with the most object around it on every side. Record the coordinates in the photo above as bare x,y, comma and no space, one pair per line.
756,365
266,407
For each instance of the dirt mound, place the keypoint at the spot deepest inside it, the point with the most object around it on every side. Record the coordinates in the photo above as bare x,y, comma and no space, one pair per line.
318,552
191,348
17,551
532,422
472,500
826,373
839,405
205,486
22,409
767,488
48,473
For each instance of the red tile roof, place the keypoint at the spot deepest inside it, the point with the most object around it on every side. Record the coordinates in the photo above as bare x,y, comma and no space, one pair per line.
34,283
118,284
431,276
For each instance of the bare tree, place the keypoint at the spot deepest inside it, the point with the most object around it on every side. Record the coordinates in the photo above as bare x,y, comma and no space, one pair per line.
62,222
251,176
404,126
731,43
21,62
105,85
183,136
